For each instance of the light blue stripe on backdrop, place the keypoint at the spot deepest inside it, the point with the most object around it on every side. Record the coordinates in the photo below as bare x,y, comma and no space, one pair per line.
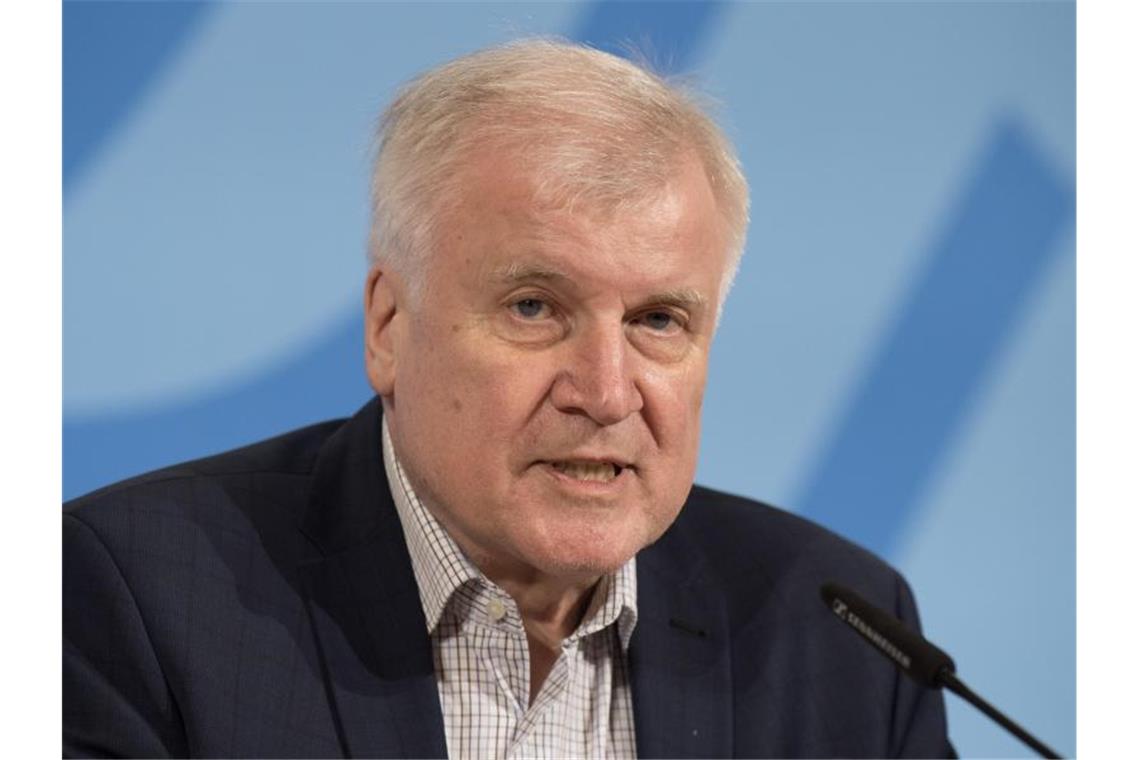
215,213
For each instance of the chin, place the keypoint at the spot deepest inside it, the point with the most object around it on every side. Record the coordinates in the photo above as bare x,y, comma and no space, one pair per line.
582,566
585,555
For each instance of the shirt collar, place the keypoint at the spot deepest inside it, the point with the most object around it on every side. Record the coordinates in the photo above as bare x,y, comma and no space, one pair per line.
441,568
439,565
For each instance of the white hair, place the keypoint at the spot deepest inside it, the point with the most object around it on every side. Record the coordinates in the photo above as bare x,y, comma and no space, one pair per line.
593,126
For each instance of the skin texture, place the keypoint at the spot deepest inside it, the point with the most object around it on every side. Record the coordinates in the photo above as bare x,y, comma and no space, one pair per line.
550,334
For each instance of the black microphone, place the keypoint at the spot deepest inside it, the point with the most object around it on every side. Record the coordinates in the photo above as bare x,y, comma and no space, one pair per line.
916,656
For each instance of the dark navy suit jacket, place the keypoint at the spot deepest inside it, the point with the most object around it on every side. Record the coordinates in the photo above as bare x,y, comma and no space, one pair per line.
262,603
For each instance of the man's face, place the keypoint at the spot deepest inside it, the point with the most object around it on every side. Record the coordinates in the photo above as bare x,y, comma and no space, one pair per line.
544,393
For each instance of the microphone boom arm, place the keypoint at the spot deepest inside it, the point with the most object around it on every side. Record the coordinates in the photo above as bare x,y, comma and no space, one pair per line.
915,656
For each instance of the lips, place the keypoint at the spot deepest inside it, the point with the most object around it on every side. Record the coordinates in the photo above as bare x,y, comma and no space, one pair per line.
593,468
599,472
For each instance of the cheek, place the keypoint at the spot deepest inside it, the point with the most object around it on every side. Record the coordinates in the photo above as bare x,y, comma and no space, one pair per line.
472,390
673,398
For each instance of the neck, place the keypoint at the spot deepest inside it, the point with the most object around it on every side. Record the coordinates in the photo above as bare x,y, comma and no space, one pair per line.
551,607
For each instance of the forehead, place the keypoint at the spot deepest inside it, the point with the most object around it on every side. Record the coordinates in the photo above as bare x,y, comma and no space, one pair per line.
506,221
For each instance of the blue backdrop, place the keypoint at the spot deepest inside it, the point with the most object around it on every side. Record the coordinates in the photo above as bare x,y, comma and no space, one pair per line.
896,361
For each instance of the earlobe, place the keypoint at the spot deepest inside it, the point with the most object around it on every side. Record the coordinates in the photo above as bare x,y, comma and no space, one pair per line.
381,309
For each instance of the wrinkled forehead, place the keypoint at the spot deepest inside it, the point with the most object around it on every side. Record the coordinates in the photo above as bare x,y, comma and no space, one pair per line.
505,216
536,180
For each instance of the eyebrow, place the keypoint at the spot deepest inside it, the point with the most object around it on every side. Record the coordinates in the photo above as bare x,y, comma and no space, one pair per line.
519,271
515,272
682,298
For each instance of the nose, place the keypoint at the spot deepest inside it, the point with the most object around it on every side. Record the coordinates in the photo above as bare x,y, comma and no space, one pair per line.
599,377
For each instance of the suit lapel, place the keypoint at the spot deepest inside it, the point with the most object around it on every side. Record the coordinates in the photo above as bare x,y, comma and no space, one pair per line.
364,604
680,656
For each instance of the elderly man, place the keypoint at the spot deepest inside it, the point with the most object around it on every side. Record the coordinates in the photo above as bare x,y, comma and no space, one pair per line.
503,555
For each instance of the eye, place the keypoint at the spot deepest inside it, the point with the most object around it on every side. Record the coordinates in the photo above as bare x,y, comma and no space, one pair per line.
660,321
531,308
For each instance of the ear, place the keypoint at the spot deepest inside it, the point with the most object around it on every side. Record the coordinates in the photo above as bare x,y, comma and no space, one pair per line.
383,322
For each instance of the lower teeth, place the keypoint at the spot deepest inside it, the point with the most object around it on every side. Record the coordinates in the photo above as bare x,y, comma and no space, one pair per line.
598,474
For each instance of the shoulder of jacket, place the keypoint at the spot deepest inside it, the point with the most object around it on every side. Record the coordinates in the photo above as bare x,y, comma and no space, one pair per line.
284,458
735,534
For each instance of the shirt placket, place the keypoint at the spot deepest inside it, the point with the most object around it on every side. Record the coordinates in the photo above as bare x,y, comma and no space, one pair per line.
542,732
504,655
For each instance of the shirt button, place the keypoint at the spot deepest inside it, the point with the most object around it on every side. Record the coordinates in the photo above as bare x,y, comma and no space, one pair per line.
496,610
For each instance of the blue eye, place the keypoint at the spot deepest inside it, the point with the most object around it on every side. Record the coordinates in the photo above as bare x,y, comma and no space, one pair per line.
530,308
658,321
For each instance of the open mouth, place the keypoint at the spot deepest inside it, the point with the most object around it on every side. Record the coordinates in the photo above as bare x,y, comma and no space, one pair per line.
598,472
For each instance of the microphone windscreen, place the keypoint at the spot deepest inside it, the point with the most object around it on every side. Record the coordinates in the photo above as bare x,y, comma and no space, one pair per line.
918,657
